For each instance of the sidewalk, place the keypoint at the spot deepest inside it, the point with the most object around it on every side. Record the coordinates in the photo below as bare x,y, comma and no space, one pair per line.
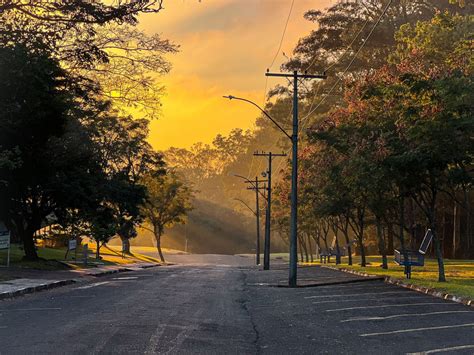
29,280
308,276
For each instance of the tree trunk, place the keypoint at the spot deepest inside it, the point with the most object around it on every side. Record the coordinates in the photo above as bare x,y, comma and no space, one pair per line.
469,236
345,231
97,251
381,241
456,231
391,247
310,247
125,245
301,249
363,261
29,245
158,232
436,241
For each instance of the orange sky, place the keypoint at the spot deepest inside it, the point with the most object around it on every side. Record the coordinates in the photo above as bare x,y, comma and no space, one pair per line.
226,46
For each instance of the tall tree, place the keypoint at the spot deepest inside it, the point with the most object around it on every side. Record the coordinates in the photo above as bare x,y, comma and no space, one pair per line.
41,133
167,204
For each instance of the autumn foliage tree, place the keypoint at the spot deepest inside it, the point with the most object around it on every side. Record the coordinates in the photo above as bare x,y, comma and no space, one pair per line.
405,130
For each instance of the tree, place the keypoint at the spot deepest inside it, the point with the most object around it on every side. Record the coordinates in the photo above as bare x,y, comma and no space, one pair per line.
40,108
103,225
167,203
95,41
125,157
406,128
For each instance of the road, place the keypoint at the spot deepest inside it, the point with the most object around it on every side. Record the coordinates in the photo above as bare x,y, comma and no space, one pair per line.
230,307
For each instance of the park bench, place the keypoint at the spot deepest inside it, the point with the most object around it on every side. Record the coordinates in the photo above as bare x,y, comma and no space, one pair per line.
409,258
323,256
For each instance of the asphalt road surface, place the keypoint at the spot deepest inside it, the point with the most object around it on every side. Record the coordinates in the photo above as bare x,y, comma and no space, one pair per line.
224,308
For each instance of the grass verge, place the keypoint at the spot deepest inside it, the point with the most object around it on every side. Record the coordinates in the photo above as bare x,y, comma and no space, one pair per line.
459,274
50,258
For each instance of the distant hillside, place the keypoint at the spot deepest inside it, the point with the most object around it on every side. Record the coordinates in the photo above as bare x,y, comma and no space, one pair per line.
211,228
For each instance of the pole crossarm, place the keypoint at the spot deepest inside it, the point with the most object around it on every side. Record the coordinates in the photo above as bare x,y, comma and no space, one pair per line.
263,154
253,183
302,76
231,97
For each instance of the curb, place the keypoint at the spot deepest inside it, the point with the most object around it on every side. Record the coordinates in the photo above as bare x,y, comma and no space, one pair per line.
107,272
61,283
131,267
34,289
342,282
397,282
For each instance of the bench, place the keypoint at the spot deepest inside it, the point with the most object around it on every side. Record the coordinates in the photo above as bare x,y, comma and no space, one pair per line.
409,258
323,257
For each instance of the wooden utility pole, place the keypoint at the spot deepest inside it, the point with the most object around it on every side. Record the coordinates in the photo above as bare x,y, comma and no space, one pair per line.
266,250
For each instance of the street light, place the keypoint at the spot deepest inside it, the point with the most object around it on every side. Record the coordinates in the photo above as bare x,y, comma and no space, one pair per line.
293,267
293,204
231,97
245,204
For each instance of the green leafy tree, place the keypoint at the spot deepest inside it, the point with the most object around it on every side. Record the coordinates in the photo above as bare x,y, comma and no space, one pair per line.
40,132
167,203
96,41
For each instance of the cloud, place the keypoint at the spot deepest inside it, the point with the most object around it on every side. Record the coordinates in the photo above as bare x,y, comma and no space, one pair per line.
226,46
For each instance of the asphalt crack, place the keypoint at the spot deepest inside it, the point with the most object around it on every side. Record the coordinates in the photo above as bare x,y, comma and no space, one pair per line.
244,304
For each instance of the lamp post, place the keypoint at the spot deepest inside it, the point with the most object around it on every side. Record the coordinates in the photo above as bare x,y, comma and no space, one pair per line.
293,267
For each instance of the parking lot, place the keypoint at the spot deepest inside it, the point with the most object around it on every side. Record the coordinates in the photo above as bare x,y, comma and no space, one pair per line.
359,317
227,309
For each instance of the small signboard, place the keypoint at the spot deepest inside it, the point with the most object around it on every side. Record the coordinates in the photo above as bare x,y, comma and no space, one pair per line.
4,239
72,245
425,244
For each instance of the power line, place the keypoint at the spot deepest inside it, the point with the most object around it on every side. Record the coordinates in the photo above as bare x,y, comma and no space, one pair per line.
311,111
345,51
283,34
352,60
273,61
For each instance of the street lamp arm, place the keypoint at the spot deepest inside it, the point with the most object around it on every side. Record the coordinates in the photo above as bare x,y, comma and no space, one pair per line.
243,177
237,199
230,97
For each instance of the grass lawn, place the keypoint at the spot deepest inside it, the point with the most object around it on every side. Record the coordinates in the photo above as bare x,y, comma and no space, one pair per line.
459,274
113,254
49,258
141,249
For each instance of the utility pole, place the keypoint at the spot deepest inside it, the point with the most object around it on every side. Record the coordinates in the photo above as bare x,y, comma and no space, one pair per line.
257,213
255,185
294,171
266,250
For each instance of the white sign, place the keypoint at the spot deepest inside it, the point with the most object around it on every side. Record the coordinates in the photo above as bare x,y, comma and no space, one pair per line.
4,240
72,244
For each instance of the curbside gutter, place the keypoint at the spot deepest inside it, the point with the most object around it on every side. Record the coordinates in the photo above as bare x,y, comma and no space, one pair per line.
18,290
428,291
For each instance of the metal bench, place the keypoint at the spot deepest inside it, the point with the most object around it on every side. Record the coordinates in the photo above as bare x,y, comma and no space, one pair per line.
323,257
409,258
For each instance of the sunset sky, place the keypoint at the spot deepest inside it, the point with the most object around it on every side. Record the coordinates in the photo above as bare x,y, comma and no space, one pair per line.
226,46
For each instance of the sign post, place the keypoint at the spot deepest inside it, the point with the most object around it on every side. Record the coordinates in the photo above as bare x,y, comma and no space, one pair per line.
71,245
